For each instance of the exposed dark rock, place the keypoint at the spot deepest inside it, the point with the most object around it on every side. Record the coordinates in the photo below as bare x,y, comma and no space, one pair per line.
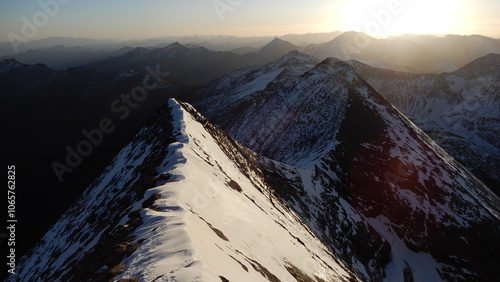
233,184
133,279
150,201
116,270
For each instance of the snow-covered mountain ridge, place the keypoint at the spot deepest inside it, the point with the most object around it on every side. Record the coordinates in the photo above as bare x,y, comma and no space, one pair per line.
377,190
344,187
182,202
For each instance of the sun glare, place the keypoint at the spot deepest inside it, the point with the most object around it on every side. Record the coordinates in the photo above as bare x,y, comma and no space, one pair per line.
390,17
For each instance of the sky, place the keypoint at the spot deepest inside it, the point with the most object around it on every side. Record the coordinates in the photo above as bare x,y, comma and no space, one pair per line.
134,19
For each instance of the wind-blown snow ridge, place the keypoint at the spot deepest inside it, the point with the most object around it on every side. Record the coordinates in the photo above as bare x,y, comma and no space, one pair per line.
362,186
210,228
208,214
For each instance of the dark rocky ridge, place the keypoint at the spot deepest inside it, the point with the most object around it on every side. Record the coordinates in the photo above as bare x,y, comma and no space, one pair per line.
43,111
458,110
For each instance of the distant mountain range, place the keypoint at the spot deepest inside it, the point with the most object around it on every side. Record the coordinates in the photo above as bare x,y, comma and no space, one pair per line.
408,53
366,173
343,188
61,57
216,43
195,65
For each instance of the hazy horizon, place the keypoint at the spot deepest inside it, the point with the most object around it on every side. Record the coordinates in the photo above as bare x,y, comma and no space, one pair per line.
118,40
129,20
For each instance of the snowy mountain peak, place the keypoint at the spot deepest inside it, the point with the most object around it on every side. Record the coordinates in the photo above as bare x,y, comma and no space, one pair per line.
342,187
332,61
294,58
334,67
13,69
9,64
182,202
366,177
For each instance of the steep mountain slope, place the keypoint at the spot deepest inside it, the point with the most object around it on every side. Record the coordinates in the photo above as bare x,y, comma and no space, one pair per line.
44,112
460,110
347,188
246,84
181,202
381,195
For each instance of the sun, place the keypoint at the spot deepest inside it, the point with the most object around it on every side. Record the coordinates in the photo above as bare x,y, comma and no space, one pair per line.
390,17
428,17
